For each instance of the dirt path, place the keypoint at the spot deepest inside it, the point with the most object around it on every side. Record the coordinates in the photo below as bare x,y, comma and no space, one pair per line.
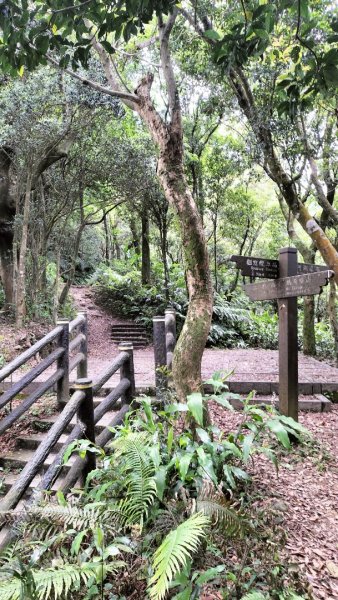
249,365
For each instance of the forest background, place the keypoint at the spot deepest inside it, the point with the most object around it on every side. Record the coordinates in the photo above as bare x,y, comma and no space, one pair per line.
241,101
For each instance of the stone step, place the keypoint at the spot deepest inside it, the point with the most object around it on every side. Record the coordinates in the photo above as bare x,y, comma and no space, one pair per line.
20,457
10,478
136,343
128,326
33,441
46,423
129,335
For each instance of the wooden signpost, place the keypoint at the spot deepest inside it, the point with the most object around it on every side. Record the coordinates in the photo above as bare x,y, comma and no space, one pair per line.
290,279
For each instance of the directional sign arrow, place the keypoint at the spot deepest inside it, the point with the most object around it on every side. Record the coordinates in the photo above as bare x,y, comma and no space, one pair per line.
265,268
289,287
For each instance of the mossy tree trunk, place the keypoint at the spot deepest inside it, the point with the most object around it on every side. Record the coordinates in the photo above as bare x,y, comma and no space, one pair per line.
309,339
168,136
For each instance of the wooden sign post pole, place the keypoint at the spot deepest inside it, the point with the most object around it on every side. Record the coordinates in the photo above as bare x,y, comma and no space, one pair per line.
288,280
288,339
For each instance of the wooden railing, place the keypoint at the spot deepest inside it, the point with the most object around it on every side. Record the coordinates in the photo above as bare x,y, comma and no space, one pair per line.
164,336
80,402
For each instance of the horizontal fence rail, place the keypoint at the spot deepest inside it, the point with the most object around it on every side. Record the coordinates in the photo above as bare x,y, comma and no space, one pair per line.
81,404
28,354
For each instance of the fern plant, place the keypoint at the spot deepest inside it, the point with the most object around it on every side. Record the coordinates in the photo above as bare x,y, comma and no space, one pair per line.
177,548
137,469
55,582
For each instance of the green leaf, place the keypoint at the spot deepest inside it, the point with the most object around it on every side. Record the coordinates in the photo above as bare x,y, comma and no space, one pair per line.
185,595
223,400
331,74
170,439
227,470
232,448
159,478
75,547
246,446
195,405
205,462
203,435
293,424
209,574
211,34
240,474
184,463
254,596
280,432
99,538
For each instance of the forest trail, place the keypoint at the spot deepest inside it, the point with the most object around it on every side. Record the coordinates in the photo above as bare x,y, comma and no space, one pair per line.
251,367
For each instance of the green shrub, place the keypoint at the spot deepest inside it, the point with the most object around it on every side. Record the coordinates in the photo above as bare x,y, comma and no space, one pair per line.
145,512
125,296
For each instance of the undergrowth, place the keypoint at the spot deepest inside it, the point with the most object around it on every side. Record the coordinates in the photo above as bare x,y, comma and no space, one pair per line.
167,513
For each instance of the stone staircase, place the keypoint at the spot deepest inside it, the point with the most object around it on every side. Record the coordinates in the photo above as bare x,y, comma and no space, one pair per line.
130,332
14,461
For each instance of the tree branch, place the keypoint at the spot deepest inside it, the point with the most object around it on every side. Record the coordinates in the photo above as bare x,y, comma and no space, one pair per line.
129,99
165,30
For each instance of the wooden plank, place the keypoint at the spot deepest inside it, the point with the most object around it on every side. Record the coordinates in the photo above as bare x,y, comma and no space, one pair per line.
264,268
32,468
252,266
289,287
17,387
7,421
25,356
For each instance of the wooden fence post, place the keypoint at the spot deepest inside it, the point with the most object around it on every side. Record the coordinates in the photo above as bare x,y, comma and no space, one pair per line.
288,339
127,372
82,369
160,355
63,363
170,334
85,417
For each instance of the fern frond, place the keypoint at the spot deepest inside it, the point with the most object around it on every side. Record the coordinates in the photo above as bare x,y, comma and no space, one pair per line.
212,503
63,517
138,471
174,552
222,516
54,582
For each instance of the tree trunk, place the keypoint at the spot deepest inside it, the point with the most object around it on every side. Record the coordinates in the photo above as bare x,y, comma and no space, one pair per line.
135,238
7,213
191,343
107,240
164,254
332,310
20,300
309,340
145,270
71,273
168,136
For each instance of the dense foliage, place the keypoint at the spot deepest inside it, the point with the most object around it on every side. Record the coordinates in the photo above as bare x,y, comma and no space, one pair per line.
163,492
